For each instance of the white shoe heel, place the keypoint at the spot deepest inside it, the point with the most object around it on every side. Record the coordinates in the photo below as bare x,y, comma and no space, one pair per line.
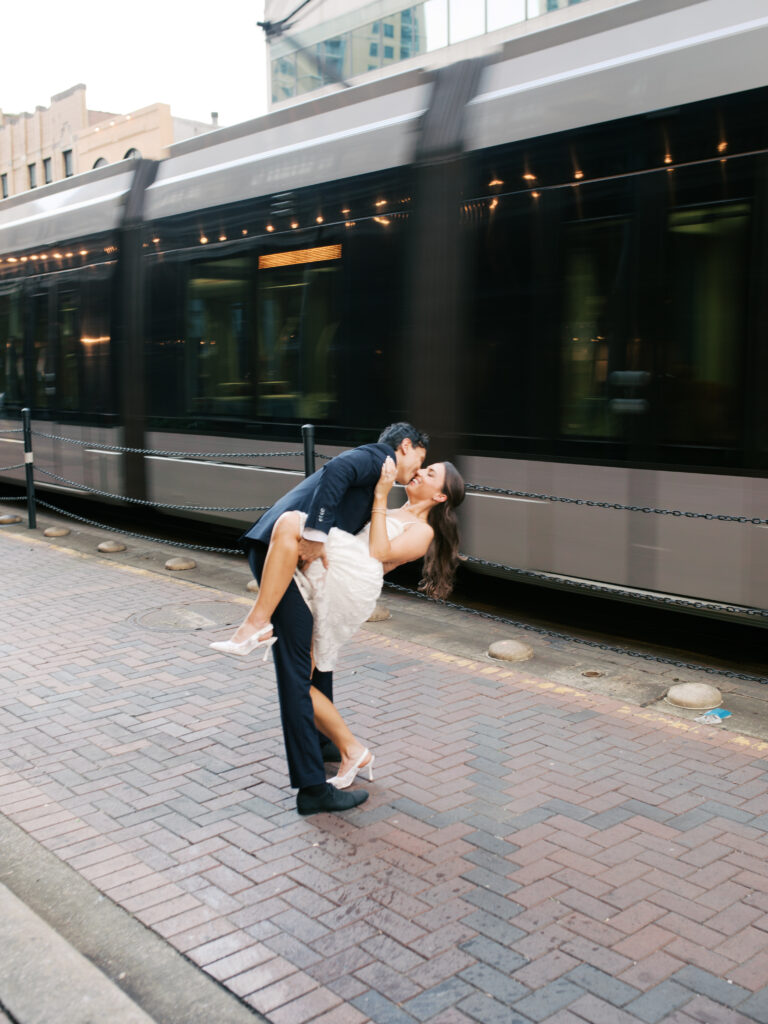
246,646
343,781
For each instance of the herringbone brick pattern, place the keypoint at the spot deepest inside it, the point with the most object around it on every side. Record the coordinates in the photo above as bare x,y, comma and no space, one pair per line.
530,853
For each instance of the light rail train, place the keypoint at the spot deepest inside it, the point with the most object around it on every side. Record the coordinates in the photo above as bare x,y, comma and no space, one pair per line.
552,256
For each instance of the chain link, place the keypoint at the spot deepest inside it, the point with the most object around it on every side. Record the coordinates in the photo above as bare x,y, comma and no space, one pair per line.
6,469
483,489
154,504
529,627
170,455
140,536
13,430
617,591
13,499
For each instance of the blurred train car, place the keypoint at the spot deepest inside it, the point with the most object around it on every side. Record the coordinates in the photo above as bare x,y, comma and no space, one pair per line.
558,251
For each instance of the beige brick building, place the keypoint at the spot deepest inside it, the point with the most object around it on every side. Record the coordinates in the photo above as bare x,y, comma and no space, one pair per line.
67,138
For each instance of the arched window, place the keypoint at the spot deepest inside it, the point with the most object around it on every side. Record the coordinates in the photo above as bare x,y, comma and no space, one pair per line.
132,154
101,162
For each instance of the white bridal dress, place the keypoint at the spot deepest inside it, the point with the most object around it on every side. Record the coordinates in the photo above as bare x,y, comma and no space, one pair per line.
342,596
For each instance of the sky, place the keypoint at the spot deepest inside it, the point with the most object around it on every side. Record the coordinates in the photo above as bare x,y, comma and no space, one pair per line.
197,57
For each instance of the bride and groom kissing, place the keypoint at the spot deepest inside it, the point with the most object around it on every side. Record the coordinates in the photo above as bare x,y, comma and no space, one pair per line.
319,555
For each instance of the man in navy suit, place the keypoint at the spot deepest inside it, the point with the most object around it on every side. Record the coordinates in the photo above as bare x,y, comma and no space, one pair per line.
339,494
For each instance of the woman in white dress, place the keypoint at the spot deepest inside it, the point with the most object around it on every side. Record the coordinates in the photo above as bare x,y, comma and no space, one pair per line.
341,590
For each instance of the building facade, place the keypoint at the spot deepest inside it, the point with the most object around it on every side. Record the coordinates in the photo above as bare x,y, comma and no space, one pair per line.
67,138
339,40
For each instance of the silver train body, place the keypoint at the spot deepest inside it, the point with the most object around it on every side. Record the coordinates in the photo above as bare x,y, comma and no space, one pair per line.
614,69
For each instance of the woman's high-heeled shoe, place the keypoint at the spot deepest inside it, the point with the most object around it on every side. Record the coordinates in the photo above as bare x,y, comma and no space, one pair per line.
342,781
248,645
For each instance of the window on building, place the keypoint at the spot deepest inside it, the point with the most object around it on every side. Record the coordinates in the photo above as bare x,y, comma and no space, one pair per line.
68,166
375,27
32,169
132,154
389,52
374,50
405,52
389,30
101,162
4,185
47,171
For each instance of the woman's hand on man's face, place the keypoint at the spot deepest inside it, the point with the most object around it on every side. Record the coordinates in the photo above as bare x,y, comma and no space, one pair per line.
387,478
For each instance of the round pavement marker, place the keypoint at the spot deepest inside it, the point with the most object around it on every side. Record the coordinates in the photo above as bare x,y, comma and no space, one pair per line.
379,614
109,547
697,696
180,564
6,520
510,650
56,531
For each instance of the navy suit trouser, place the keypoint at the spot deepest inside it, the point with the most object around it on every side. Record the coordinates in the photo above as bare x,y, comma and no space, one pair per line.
292,622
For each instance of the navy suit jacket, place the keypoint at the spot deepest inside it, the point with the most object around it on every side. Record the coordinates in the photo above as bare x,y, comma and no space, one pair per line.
339,494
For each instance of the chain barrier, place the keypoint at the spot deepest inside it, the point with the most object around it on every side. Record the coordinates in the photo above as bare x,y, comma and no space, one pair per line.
22,498
6,469
170,455
140,536
542,631
483,489
154,504
596,588
12,430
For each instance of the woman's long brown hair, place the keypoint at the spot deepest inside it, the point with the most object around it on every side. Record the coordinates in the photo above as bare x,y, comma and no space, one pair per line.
442,556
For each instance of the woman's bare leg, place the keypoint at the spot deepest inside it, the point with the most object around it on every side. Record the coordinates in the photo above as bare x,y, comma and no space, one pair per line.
279,567
330,723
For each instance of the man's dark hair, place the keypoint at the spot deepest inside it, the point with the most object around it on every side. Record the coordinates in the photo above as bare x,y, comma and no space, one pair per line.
396,433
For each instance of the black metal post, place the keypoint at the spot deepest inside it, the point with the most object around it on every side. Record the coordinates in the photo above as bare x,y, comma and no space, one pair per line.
29,468
308,437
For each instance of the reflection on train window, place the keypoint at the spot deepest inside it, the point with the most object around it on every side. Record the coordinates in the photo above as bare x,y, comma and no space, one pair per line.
594,305
11,349
705,324
217,372
43,364
299,312
68,384
93,363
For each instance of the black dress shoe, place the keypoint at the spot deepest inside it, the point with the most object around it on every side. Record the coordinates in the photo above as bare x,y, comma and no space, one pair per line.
330,799
330,752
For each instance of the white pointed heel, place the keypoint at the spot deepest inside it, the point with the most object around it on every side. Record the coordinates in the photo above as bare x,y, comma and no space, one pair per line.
343,781
252,642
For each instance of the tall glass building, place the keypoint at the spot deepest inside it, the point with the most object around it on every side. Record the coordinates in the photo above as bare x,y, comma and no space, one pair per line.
338,40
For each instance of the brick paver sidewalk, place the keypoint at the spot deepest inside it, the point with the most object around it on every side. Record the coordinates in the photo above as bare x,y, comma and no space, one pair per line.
529,852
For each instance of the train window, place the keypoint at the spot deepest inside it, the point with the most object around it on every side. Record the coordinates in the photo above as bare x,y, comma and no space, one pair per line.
299,314
704,323
217,355
11,349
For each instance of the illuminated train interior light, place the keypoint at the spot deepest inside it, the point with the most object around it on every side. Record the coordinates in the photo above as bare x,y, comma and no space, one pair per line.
294,224
535,194
244,232
667,158
383,220
319,219
203,240
722,146
495,183
493,204
83,252
345,211
270,227
380,202
102,340
578,175
222,238
529,177
318,254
